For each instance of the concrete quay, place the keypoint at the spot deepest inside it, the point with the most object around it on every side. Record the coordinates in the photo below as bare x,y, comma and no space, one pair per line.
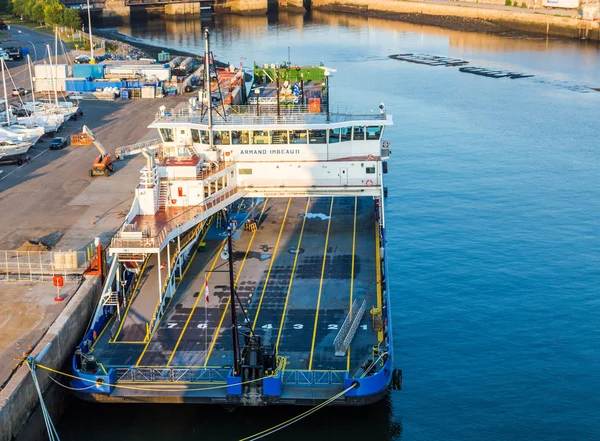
436,12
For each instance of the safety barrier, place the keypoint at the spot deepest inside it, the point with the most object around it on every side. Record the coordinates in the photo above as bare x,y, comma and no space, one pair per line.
300,377
42,265
170,375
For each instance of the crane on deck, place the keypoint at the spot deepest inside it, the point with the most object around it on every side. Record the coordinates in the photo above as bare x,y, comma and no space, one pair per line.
103,164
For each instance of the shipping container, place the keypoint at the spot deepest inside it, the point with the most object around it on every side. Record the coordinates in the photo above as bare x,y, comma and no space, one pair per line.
88,70
47,85
58,71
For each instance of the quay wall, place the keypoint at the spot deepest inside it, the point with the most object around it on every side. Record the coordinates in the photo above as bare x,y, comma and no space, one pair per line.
20,417
419,12
245,7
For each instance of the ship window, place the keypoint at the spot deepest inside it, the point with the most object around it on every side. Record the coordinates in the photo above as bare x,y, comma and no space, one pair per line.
221,137
166,135
346,134
370,170
359,133
204,136
260,137
334,135
245,171
373,132
279,137
317,136
298,137
240,137
195,135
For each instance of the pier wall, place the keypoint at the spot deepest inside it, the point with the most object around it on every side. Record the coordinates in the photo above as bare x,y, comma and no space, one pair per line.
182,8
521,19
20,417
245,7
115,8
291,5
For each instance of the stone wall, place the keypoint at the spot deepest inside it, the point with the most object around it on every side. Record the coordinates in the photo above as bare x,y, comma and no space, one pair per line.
521,19
246,7
19,399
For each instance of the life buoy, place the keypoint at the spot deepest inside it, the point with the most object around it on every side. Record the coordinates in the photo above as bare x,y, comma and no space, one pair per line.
370,157
386,144
369,183
173,201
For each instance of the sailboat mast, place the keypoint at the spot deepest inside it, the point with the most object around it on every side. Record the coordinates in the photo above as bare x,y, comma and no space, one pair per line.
5,94
56,45
52,76
31,81
207,84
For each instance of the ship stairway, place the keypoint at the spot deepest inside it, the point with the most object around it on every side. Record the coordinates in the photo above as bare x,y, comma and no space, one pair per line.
192,150
348,329
163,196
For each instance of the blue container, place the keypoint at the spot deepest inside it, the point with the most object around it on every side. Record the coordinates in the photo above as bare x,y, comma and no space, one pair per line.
124,94
88,71
25,51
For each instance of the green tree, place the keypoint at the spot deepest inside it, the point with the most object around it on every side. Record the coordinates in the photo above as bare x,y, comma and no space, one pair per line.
71,18
53,13
18,7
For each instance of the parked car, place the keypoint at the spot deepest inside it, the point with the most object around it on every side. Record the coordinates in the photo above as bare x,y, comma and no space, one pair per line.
58,143
82,59
18,91
15,53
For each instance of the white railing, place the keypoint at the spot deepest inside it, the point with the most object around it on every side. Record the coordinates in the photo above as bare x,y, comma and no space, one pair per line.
348,329
264,116
41,265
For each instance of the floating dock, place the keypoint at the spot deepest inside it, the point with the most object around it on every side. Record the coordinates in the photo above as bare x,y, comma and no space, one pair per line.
430,60
485,72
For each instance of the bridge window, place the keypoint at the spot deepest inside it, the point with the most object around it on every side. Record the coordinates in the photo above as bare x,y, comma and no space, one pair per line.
346,134
260,137
299,137
373,132
167,135
279,137
359,133
195,136
318,136
370,170
204,136
222,137
334,135
240,137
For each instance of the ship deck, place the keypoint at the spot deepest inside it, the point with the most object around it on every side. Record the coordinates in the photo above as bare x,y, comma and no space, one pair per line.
296,277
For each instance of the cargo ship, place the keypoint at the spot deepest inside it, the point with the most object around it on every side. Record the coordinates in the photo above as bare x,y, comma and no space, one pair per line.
252,267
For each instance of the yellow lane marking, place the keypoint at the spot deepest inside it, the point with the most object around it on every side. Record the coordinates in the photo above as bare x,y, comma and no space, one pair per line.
135,294
291,279
216,334
200,296
271,264
312,348
169,303
352,274
378,272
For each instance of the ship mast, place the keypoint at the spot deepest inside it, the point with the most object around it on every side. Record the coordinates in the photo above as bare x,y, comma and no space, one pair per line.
232,299
207,92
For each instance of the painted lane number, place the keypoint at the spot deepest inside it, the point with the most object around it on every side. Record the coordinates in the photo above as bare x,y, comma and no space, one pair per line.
202,325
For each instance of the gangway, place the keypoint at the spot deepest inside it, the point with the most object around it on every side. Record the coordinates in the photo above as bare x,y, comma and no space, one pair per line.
134,149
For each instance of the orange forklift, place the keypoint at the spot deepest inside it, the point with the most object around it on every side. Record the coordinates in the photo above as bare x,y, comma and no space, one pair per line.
103,165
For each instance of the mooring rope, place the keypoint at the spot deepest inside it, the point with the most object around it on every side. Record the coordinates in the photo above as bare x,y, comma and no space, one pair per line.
52,433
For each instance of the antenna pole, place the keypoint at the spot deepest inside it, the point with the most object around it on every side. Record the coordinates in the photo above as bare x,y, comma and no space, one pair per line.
234,324
207,83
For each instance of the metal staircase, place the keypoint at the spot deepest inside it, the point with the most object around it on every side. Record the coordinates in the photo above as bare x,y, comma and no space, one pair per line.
163,196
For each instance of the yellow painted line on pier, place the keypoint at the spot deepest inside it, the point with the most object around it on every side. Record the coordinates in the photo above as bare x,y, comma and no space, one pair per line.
135,294
378,272
352,272
262,294
169,303
216,334
200,296
312,348
287,296
102,332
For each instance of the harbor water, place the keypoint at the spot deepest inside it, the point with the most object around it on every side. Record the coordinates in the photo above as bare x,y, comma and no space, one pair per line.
493,220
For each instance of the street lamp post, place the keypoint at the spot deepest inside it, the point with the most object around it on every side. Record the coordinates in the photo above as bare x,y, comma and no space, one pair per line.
90,30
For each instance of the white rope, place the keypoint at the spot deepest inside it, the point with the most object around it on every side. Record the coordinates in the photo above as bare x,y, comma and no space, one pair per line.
52,433
77,389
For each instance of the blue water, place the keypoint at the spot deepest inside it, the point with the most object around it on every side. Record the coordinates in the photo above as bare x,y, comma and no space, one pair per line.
493,221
